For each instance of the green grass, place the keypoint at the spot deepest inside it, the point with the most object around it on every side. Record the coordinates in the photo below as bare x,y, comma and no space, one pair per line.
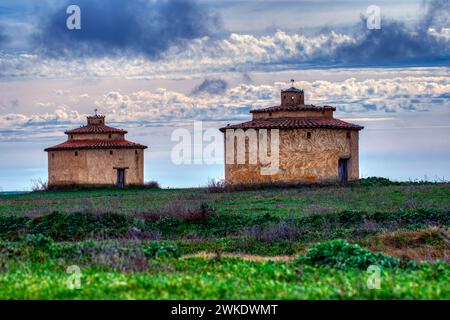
295,201
231,278
125,242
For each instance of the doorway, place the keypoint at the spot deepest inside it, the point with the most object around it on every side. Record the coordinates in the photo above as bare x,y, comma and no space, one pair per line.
120,178
343,170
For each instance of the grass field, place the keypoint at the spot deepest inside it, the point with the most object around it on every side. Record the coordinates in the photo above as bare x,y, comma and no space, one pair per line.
276,243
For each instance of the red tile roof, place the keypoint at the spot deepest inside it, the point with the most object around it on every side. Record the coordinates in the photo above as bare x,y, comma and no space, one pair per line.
294,108
101,128
96,144
290,123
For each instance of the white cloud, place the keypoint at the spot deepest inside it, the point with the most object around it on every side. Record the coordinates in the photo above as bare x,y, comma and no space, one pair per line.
237,52
163,107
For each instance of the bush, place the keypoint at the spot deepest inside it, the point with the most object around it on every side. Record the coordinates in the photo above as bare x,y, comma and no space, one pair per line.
39,185
152,185
40,242
11,226
161,249
342,255
75,226
374,181
434,236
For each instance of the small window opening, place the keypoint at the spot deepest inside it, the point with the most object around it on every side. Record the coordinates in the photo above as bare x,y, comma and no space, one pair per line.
270,114
348,134
110,152
135,152
71,136
308,135
76,153
109,136
53,155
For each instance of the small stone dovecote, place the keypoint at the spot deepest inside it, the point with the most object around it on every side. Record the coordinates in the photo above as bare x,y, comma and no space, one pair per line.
96,155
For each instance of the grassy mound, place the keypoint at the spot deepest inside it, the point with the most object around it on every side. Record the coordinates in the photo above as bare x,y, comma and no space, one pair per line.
342,255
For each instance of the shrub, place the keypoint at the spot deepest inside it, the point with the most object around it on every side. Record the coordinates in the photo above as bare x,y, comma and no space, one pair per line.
215,186
38,185
40,242
161,249
374,181
75,226
152,185
342,255
11,226
436,237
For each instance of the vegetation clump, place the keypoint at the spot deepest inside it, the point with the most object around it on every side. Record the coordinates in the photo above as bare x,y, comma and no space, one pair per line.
161,249
40,242
342,255
434,236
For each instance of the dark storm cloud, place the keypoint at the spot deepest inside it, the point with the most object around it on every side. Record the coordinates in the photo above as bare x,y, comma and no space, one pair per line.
211,86
437,15
395,42
113,27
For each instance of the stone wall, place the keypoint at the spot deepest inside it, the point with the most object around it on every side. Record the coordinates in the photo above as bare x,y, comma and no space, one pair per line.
95,167
303,159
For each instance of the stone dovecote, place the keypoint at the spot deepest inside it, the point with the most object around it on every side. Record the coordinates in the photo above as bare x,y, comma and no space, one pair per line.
96,155
313,145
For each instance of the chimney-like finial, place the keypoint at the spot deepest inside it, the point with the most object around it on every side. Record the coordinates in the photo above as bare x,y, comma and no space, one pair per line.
292,81
95,112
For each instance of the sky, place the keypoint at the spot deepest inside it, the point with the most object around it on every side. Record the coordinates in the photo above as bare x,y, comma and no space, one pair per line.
156,66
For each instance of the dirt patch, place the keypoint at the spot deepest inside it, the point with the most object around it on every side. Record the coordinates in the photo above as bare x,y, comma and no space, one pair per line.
247,257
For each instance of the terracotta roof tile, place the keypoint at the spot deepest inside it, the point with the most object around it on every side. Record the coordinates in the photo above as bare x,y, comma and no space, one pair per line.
290,123
95,129
294,108
97,144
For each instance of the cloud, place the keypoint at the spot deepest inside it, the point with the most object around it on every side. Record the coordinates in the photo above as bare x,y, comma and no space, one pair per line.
437,15
62,92
123,39
394,42
4,39
211,86
240,53
237,53
162,107
117,27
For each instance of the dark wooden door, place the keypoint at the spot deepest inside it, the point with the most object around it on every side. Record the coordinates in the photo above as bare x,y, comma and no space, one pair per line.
343,170
120,178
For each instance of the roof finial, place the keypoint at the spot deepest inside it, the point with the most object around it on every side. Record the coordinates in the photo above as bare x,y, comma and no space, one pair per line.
95,111
292,81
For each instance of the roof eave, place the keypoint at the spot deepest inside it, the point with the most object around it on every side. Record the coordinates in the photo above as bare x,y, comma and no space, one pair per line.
93,148
235,127
292,108
101,132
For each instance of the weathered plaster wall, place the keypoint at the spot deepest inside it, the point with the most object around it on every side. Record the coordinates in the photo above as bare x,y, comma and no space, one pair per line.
95,166
302,159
